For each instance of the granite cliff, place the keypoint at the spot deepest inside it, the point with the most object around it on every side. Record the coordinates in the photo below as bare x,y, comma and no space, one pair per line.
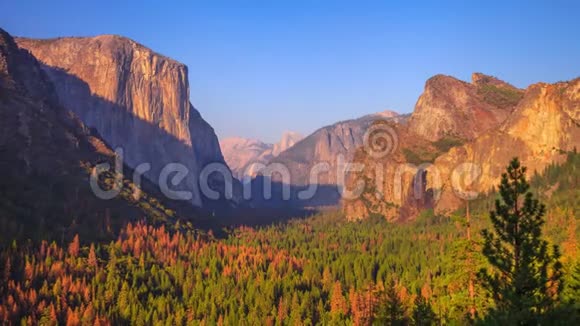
46,157
135,99
544,126
485,124
450,107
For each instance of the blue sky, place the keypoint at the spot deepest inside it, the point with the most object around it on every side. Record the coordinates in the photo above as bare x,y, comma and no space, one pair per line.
258,68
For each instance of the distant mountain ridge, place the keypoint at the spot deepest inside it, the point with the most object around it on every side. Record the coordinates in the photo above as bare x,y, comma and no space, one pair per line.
326,145
243,155
89,96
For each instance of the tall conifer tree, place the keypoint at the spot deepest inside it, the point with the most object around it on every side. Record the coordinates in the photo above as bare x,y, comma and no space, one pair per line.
525,280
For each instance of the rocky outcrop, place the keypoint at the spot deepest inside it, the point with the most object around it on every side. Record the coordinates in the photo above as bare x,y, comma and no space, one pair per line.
244,156
19,71
327,143
391,184
450,107
134,98
542,127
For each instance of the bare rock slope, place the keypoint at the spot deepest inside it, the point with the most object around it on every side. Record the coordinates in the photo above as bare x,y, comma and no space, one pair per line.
544,126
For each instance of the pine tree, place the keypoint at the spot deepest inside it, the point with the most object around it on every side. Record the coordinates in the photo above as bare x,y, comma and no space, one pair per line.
423,313
526,278
47,317
392,310
282,313
7,270
573,286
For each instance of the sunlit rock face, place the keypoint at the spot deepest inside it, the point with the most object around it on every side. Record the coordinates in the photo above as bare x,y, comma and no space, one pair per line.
451,107
245,156
46,154
135,99
240,153
326,144
542,128
539,129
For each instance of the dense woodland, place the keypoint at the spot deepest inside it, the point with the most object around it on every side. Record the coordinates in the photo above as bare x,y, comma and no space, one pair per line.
320,270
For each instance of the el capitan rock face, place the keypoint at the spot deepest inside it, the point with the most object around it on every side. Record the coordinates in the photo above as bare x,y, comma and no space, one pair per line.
46,158
451,107
134,98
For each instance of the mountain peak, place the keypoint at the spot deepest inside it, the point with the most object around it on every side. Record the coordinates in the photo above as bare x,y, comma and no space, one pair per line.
242,154
451,107
479,79
387,114
105,43
289,138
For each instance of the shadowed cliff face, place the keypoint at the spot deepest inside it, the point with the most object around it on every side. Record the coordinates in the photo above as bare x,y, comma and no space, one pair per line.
46,155
135,98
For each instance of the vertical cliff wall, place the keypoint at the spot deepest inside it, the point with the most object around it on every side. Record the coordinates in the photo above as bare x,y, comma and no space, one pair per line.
135,98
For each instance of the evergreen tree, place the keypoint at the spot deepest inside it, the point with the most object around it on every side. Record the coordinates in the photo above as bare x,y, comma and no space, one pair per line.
573,286
392,309
423,313
526,277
